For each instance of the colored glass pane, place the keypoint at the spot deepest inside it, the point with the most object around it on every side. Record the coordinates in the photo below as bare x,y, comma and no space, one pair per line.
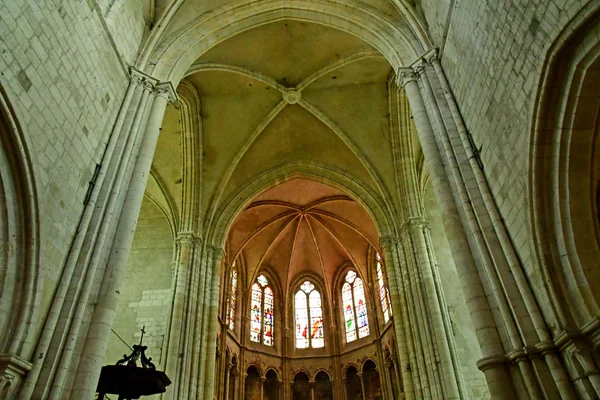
262,280
232,298
317,336
268,318
361,308
348,312
350,276
255,313
301,311
384,294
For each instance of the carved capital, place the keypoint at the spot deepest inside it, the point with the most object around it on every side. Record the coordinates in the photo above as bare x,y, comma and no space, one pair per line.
166,90
419,67
405,76
418,221
141,77
188,238
431,56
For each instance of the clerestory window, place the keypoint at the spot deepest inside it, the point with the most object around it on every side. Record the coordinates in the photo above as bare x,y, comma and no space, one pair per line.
384,293
261,312
355,307
232,296
309,317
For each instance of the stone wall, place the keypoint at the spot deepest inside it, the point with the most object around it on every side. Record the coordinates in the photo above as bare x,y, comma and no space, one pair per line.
493,57
463,331
66,82
125,16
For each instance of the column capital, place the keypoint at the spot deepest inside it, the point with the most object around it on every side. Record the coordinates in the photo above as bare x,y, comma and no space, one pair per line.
405,75
431,56
166,90
187,238
419,67
387,241
142,77
218,253
418,221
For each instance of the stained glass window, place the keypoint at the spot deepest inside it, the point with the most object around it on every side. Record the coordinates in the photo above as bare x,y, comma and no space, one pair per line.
268,319
301,306
255,313
355,307
384,293
309,317
317,337
232,297
261,312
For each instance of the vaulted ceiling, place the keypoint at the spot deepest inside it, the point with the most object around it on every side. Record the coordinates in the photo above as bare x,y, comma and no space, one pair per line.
301,226
282,93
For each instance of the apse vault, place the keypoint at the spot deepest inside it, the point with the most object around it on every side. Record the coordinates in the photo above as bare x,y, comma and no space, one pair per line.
305,299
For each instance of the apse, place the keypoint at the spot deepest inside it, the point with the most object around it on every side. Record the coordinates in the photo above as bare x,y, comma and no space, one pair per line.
305,294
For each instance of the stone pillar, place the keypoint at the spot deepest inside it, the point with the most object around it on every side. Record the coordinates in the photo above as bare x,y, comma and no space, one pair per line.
211,313
98,334
228,368
262,381
449,374
545,345
62,327
495,371
403,340
362,385
186,246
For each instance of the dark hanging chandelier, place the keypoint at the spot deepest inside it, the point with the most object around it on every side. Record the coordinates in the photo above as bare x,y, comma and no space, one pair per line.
128,380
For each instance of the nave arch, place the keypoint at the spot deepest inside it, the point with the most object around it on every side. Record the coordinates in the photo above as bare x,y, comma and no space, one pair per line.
19,227
564,178
400,41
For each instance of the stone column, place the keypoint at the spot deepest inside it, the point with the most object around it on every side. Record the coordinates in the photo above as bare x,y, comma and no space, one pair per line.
362,385
211,326
262,381
495,371
555,364
186,243
98,334
228,368
406,349
449,374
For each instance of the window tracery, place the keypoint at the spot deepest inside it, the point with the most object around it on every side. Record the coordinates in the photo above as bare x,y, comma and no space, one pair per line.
384,293
355,307
309,317
261,312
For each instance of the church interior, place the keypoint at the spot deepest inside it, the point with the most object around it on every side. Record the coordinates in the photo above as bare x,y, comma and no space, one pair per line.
299,199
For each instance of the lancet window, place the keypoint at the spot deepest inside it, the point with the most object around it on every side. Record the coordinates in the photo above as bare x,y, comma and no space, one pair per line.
355,307
384,293
309,317
261,312
232,296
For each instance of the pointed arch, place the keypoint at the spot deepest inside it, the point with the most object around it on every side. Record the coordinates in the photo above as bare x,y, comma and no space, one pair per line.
399,41
19,235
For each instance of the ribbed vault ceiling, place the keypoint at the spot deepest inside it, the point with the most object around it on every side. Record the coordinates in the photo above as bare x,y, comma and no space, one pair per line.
302,226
